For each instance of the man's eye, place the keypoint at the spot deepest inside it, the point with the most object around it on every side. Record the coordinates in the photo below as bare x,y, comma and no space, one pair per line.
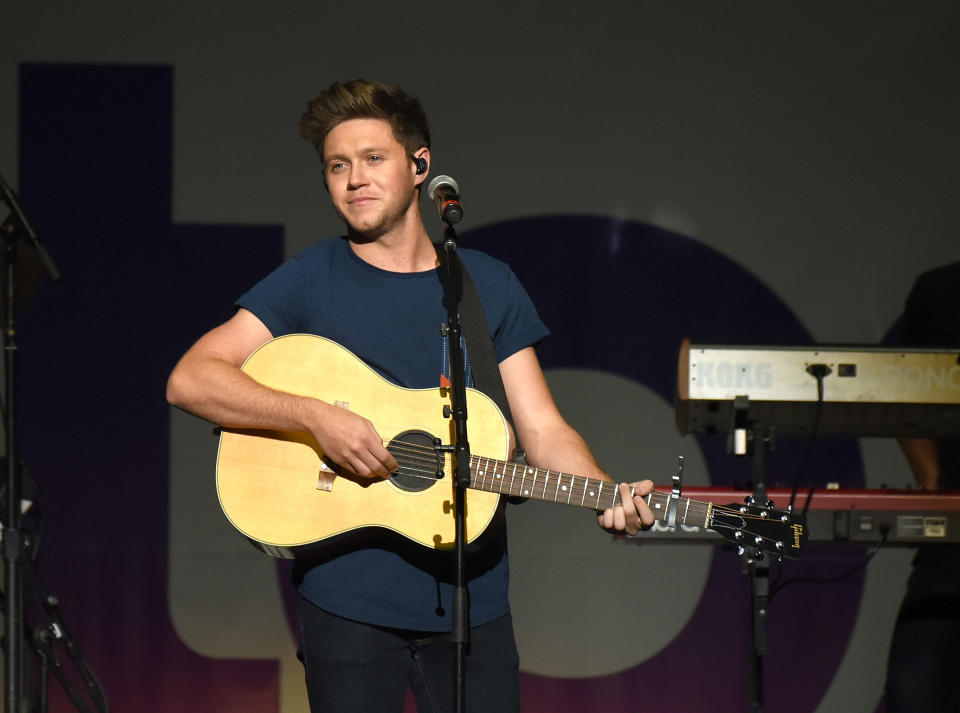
375,158
337,166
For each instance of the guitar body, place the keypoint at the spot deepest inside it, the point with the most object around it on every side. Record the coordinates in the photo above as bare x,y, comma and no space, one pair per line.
274,488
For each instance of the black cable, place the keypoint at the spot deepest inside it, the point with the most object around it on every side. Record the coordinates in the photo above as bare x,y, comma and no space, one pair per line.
778,586
819,372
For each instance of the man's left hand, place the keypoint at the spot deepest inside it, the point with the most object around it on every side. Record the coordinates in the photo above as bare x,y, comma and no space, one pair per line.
632,514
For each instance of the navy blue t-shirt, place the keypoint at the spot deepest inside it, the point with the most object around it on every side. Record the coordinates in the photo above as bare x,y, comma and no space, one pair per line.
392,321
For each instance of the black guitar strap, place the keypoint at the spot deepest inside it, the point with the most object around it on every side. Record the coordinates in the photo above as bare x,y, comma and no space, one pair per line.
483,358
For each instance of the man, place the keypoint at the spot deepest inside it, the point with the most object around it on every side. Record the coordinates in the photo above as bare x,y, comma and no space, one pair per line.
376,613
925,648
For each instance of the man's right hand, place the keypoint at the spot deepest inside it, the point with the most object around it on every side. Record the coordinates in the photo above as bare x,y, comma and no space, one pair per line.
352,442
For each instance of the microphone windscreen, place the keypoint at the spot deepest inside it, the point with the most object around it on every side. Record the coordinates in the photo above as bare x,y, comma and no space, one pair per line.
439,181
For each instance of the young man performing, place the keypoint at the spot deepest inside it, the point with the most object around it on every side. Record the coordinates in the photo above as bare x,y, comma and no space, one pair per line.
376,613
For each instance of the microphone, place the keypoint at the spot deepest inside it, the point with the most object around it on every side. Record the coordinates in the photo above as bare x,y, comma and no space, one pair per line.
445,193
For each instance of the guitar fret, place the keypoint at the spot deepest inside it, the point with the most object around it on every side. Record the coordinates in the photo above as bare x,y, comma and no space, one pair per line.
487,471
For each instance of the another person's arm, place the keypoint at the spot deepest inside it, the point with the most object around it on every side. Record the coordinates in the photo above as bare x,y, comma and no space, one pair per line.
922,456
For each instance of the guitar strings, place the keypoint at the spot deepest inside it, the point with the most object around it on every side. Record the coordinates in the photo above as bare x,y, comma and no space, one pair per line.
420,461
422,455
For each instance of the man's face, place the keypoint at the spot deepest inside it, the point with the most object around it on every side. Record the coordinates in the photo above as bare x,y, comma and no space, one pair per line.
370,177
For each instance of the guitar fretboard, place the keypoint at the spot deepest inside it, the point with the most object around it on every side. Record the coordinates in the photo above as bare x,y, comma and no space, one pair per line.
526,481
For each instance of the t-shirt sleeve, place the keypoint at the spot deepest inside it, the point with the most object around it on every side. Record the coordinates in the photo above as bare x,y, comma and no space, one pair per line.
277,300
519,325
930,316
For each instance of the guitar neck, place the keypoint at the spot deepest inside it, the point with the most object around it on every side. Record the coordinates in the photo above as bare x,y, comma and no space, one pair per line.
526,481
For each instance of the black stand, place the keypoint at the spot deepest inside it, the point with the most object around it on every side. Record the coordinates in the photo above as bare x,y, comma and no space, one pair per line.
46,637
759,570
753,438
13,228
453,289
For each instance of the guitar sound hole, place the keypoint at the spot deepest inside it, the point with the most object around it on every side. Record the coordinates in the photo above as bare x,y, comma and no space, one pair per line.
418,463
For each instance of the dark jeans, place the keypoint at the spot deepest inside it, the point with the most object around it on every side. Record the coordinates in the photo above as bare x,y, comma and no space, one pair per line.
923,670
352,667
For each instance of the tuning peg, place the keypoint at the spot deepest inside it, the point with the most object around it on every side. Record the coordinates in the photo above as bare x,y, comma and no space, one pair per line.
740,550
749,500
758,556
769,504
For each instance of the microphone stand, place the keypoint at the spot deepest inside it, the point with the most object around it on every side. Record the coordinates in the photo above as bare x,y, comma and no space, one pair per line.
13,228
453,289
46,636
749,437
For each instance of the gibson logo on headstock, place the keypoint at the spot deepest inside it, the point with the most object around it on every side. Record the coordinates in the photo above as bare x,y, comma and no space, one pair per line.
797,534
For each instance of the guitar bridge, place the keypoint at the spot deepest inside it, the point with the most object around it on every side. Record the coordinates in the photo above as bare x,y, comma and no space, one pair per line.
325,478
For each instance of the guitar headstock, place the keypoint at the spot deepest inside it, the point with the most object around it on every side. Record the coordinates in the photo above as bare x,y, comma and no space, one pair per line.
761,528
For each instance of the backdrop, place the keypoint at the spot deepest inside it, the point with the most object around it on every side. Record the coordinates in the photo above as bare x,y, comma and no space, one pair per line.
737,173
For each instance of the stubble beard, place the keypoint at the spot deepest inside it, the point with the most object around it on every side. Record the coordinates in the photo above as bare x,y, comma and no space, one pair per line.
388,218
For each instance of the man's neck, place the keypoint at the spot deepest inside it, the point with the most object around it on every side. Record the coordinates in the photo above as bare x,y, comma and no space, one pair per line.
406,249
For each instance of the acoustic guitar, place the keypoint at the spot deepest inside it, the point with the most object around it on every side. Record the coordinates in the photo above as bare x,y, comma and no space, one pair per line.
276,488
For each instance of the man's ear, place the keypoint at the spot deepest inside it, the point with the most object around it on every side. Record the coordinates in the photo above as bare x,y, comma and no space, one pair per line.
421,162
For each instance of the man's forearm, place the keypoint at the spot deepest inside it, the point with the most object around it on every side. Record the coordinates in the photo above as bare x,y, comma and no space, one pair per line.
220,392
922,455
563,449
